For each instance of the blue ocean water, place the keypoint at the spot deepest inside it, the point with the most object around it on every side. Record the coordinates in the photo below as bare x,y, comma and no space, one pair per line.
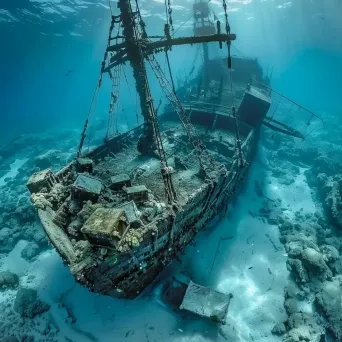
42,40
49,65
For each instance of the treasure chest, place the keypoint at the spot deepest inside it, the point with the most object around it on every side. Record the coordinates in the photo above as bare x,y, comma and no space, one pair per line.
105,227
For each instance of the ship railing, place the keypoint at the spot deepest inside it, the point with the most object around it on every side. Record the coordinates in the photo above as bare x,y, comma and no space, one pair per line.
207,107
287,116
204,24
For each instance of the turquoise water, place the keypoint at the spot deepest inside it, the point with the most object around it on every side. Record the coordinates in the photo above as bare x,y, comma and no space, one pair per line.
42,40
51,53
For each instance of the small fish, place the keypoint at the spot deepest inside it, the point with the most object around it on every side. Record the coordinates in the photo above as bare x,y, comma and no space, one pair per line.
249,239
250,267
129,332
318,16
227,238
251,213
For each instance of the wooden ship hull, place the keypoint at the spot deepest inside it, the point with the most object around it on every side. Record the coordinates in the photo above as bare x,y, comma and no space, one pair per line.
155,232
121,213
128,275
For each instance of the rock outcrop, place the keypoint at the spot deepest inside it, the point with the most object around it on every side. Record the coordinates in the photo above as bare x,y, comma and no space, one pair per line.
8,280
27,304
329,302
313,297
332,199
30,251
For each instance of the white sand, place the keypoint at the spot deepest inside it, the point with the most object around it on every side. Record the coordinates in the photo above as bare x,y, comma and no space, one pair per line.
13,171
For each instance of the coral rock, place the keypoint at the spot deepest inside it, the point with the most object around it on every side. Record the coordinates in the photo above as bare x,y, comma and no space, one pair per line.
279,329
27,304
314,261
30,251
8,280
296,267
329,302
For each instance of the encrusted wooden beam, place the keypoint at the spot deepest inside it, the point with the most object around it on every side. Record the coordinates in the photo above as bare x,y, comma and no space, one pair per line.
151,46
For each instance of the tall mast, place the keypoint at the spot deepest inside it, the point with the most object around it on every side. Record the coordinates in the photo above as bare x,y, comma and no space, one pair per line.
135,48
203,26
136,58
151,138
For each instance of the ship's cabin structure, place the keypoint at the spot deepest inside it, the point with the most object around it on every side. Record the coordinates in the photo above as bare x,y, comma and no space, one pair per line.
203,23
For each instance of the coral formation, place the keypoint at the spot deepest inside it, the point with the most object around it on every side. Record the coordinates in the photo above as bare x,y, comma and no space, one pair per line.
27,304
8,280
313,242
30,251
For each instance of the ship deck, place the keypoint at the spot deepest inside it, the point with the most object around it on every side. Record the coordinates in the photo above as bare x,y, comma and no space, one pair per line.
145,170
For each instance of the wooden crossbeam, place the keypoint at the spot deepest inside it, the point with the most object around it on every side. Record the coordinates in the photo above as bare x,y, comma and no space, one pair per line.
189,40
152,47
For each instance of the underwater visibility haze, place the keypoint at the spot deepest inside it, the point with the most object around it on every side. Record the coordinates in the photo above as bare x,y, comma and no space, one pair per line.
171,170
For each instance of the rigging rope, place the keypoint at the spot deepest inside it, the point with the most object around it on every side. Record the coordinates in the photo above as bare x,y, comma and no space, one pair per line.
198,145
170,72
199,148
165,169
185,22
237,131
115,91
276,108
126,79
97,89
141,22
114,103
83,135
110,7
136,108
169,11
194,62
125,115
93,118
166,14
131,95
